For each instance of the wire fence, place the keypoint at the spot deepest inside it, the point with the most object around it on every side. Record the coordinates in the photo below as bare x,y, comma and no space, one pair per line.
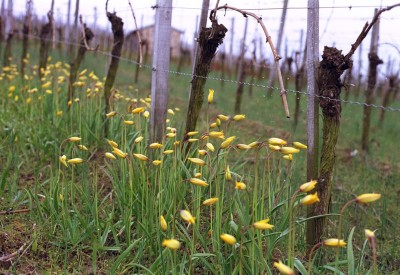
191,75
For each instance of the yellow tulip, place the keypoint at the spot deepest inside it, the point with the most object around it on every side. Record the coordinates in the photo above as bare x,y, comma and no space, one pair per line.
75,161
229,239
187,217
167,152
163,223
239,117
283,269
129,122
110,155
198,182
138,139
369,234
227,142
308,186
155,145
210,201
228,175
310,199
288,157
197,161
138,110
223,117
299,145
217,134
261,225
210,146
111,114
113,143
119,153
289,150
210,96
156,162
141,157
240,185
190,134
171,244
74,139
367,198
277,141
334,243
274,147
82,147
243,146
63,160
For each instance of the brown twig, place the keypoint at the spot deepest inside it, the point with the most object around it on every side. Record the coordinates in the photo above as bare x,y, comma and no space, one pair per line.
84,36
269,41
138,36
9,212
9,257
366,29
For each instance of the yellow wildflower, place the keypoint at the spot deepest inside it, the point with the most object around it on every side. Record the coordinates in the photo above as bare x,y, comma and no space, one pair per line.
334,243
263,225
274,147
254,144
189,134
217,134
283,269
223,118
240,185
198,182
310,199
288,157
141,157
210,96
228,175
210,146
171,244
299,145
138,139
171,135
228,239
210,201
111,114
167,152
82,147
110,155
239,117
227,142
187,217
197,161
119,153
277,141
156,162
113,143
308,186
289,150
155,145
202,152
74,139
63,160
75,161
163,223
369,234
243,146
129,122
146,114
138,110
367,198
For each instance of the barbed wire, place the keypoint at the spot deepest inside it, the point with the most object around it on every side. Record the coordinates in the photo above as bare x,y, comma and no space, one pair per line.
190,75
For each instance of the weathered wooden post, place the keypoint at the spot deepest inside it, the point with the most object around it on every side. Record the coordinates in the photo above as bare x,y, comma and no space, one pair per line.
312,105
159,78
374,61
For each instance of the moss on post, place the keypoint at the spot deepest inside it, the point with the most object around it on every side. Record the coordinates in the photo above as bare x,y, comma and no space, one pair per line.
331,67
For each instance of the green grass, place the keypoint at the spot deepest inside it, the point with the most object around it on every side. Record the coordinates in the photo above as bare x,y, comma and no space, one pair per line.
103,215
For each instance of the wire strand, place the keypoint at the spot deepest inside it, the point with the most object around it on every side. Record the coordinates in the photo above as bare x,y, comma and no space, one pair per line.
190,75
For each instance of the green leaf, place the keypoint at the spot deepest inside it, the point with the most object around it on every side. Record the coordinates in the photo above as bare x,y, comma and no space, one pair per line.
350,253
300,267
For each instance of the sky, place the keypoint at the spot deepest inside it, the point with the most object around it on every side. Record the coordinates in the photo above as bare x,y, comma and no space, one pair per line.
339,26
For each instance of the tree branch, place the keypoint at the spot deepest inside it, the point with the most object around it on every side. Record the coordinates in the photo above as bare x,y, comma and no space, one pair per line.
366,29
84,36
138,36
268,41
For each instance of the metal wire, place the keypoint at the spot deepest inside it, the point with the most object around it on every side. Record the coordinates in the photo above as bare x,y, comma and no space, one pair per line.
190,75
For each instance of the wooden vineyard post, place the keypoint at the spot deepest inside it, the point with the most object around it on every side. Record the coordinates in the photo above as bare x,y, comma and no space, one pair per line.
374,61
241,71
312,105
159,78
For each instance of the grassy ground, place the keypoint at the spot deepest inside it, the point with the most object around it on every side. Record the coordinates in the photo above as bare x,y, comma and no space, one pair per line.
29,160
